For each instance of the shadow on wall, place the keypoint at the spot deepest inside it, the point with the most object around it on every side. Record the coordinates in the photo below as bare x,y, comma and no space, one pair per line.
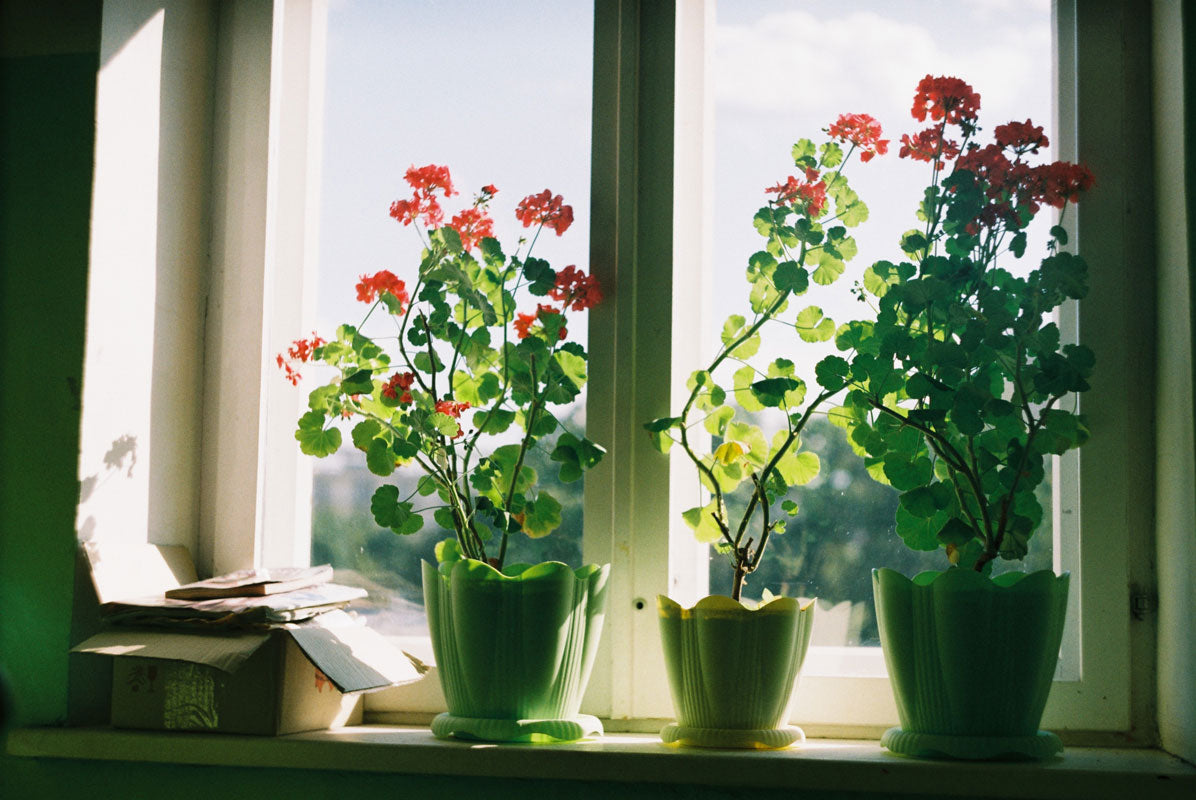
120,458
89,679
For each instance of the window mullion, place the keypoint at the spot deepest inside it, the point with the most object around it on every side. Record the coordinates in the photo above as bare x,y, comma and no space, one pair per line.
265,181
234,353
631,346
298,68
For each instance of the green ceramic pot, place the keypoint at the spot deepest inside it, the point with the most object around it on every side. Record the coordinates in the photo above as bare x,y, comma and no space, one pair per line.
732,670
514,648
971,660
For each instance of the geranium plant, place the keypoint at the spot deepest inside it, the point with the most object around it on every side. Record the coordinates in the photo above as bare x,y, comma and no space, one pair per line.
463,385
960,385
805,226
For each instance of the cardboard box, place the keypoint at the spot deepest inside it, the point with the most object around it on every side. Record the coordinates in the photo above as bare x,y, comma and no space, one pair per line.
297,677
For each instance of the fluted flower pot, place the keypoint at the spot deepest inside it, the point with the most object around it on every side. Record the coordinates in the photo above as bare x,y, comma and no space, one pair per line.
514,649
971,659
732,670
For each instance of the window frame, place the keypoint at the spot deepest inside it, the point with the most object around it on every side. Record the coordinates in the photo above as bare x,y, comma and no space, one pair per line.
648,74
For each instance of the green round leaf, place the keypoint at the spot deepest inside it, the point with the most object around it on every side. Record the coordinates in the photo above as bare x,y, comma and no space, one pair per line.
831,373
380,458
905,474
541,516
448,550
703,524
313,439
916,532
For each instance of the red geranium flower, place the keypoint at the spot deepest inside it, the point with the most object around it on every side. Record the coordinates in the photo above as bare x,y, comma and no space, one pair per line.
928,145
1061,182
426,209
576,290
288,371
453,409
301,350
990,165
811,193
1021,137
370,287
545,209
861,130
423,205
400,380
473,225
524,322
1017,189
430,179
945,98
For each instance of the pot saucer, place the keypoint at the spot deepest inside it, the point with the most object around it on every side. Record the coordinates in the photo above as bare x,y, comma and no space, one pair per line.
738,738
1043,744
448,726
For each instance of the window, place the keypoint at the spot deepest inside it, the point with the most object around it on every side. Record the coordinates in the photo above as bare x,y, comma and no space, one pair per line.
650,104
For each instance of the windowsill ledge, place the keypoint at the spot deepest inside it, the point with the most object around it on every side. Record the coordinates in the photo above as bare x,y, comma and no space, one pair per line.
825,764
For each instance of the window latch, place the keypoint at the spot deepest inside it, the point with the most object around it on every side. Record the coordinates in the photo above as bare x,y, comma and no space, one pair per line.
1141,604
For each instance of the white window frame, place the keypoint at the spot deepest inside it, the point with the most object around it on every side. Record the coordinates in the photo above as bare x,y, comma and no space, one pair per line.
259,215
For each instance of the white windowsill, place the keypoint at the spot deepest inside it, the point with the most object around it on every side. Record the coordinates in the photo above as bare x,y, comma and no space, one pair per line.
825,764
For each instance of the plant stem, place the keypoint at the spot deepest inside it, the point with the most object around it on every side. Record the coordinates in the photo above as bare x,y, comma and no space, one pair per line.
737,582
722,356
977,489
936,440
523,445
402,345
765,526
1035,425
472,441
431,358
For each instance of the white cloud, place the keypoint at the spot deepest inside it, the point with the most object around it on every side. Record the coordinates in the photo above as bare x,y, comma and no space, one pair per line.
863,61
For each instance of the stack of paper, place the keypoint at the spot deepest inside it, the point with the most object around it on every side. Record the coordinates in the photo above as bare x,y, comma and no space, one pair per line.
254,583
247,598
232,611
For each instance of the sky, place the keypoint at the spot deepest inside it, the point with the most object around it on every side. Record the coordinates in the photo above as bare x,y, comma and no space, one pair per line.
498,92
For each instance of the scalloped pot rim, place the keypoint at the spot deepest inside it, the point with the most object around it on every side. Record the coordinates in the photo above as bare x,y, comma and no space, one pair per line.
959,578
471,569
721,604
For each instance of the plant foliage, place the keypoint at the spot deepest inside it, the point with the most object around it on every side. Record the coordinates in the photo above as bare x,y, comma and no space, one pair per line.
959,385
463,389
806,245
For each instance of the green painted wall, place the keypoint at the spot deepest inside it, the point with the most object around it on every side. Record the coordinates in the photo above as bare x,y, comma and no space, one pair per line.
46,138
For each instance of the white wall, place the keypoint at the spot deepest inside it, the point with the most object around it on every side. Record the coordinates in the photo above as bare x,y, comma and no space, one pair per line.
141,389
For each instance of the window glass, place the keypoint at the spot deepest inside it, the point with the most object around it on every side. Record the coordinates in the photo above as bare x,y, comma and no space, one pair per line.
501,94
785,71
